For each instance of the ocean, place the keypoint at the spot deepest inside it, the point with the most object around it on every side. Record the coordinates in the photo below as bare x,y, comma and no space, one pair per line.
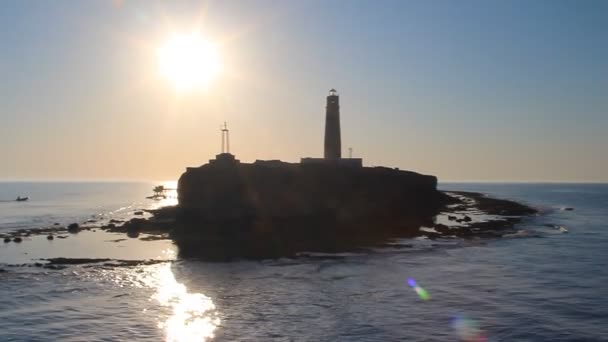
539,284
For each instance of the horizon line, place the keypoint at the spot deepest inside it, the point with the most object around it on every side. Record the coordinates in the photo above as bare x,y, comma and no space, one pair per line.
131,180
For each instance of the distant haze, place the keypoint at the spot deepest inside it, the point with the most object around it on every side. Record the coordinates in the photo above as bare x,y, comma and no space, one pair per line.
465,90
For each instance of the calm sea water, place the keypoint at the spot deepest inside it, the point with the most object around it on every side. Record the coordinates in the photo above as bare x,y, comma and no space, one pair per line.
540,285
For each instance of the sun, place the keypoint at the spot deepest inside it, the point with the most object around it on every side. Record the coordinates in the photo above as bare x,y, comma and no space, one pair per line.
189,61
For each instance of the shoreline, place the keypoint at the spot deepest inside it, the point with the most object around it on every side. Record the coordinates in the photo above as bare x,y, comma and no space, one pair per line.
467,215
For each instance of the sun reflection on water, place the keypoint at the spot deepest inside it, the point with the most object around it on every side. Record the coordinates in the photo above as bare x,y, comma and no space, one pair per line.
193,316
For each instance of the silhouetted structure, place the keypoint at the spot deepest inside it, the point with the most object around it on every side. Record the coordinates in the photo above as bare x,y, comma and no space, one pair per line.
333,146
225,138
224,158
272,208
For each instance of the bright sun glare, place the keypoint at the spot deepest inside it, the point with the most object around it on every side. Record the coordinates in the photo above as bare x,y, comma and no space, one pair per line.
189,61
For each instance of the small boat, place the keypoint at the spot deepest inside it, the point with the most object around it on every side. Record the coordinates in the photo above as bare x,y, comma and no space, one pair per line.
22,199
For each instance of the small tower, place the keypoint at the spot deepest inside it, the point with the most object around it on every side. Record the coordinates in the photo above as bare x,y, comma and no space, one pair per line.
333,148
225,138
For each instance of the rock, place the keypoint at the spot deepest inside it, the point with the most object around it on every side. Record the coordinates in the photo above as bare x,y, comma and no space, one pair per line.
17,239
467,218
2,270
7,239
568,209
138,213
56,224
73,228
75,261
55,267
111,226
50,237
135,224
133,234
91,221
442,228
452,218
116,221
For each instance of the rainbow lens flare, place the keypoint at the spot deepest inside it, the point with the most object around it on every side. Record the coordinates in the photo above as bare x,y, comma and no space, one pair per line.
467,329
422,293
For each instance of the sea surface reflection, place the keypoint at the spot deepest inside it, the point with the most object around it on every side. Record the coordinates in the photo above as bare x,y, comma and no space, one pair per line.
192,317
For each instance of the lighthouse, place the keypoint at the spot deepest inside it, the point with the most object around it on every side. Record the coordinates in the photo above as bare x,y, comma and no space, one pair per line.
332,155
333,148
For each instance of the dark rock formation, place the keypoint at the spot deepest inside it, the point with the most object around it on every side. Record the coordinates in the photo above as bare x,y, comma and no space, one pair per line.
7,239
73,228
74,261
17,239
228,209
50,237
62,263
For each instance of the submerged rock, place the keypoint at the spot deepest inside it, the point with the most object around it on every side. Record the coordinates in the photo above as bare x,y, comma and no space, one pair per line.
73,228
55,267
17,239
75,261
133,234
7,239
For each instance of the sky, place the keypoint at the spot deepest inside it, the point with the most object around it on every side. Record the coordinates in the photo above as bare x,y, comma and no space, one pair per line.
464,90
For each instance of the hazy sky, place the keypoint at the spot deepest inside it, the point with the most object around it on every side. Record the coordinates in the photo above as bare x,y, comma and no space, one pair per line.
465,90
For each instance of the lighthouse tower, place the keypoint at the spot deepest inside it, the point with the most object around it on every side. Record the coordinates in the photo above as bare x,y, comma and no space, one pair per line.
333,148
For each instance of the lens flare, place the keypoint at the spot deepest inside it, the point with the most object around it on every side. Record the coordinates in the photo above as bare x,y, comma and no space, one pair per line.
422,293
467,329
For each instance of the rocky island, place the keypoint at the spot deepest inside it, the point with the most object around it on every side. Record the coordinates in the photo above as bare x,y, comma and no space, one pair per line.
271,208
275,208
267,209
